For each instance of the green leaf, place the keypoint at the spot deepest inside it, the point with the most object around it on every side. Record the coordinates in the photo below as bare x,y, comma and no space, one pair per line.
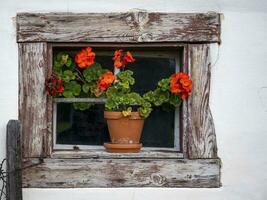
126,76
68,76
72,89
69,63
124,85
175,100
93,72
62,60
86,87
164,84
67,94
144,111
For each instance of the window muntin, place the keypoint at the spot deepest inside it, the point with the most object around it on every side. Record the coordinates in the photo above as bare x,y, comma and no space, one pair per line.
161,130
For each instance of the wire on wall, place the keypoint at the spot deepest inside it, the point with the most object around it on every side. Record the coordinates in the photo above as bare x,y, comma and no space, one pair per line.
3,176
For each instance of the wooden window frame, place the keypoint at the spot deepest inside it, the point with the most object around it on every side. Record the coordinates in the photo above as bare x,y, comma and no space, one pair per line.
197,166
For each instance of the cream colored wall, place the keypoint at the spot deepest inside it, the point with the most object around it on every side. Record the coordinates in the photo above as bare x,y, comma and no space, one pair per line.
238,94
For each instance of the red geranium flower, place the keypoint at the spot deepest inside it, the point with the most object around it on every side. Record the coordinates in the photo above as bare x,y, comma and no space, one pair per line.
85,58
128,58
180,83
53,85
120,59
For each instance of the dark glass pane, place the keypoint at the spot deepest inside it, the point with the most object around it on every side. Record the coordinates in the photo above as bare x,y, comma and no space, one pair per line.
148,71
159,126
81,127
159,129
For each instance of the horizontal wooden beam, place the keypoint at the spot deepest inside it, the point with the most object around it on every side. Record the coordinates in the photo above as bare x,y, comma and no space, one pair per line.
132,27
87,173
147,153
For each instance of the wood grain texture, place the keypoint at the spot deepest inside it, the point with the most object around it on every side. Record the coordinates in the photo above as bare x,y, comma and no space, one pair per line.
48,147
102,154
33,100
118,27
198,121
184,109
13,155
69,173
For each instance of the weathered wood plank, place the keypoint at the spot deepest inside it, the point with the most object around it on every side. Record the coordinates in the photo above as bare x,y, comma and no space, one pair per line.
32,99
184,109
48,147
13,155
199,123
68,173
102,154
136,26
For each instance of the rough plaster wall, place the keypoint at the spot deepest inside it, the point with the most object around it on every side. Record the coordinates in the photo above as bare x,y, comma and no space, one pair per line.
238,94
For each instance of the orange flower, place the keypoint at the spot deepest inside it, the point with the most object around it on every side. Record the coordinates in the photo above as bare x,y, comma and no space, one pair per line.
105,80
120,60
180,83
85,58
118,63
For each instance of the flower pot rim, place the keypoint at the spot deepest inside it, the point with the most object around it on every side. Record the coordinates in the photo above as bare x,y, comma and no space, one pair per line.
118,115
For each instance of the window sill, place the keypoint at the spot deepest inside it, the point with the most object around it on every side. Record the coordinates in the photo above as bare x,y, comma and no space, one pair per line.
145,153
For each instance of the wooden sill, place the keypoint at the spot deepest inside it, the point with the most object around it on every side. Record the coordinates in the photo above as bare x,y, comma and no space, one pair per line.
145,153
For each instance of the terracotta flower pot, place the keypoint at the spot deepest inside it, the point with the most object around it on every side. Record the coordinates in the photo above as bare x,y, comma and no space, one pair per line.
125,132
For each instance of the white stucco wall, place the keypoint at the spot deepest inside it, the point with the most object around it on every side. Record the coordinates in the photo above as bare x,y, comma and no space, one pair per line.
238,94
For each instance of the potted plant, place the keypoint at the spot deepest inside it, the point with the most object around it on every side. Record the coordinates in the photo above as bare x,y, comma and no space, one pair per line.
125,110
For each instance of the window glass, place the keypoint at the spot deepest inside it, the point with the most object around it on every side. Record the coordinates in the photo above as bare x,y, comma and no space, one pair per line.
89,127
81,127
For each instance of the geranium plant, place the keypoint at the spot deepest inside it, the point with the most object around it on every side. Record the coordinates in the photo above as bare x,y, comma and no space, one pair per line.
119,95
125,110
78,77
81,76
170,92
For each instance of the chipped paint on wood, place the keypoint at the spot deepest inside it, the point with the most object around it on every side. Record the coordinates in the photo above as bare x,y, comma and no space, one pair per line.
201,138
86,173
32,98
118,27
102,154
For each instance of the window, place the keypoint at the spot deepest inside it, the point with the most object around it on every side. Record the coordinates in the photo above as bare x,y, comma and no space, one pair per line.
187,35
88,129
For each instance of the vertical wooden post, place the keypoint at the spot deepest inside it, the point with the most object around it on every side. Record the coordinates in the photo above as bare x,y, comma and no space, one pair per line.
13,151
201,131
